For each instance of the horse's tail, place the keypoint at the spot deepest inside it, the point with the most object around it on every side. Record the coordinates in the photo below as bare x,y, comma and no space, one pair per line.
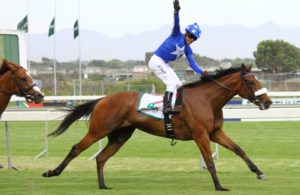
83,110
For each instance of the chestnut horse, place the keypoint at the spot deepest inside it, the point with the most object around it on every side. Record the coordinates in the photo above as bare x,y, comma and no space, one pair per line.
16,80
200,119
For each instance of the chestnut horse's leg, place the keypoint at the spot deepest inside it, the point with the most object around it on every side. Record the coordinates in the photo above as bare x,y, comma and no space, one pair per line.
115,140
220,137
203,143
86,142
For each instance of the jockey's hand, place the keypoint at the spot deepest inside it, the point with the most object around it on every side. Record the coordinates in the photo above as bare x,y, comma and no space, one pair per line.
205,73
176,5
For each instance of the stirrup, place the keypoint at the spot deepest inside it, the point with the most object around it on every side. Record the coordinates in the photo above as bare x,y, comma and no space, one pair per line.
168,111
174,112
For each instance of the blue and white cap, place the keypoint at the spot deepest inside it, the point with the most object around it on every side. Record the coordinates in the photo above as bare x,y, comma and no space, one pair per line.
194,29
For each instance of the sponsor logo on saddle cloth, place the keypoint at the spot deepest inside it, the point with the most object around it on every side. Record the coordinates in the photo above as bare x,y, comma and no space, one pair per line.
152,105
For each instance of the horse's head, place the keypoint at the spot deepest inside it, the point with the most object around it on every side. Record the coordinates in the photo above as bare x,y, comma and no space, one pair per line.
22,83
251,89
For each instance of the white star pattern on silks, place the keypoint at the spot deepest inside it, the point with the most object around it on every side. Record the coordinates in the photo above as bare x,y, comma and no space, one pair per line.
179,51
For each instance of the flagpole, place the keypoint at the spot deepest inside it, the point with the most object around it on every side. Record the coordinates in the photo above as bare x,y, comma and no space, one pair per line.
54,55
28,45
79,56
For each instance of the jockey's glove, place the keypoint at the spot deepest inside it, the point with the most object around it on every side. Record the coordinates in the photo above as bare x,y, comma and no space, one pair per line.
176,5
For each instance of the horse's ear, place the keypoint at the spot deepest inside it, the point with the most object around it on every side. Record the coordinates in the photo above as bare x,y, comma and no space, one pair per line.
243,67
4,62
7,62
1,62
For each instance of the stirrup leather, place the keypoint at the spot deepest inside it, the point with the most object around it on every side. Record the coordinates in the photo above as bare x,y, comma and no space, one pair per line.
167,107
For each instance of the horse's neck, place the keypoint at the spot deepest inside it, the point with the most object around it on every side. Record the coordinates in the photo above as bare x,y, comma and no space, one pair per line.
219,94
220,97
6,82
4,93
4,100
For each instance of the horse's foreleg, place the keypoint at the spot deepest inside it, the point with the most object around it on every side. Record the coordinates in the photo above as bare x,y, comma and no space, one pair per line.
115,141
1,166
86,142
220,137
203,143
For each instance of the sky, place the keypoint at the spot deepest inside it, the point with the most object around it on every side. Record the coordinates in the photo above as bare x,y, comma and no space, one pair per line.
119,17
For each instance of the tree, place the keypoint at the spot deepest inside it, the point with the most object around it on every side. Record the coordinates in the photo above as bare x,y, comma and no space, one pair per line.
97,63
278,56
115,63
148,55
237,62
206,62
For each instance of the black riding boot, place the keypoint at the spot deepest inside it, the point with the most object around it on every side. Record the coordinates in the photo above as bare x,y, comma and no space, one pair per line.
167,109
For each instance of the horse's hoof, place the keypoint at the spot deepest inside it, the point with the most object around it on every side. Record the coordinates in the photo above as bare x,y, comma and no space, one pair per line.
222,189
104,188
262,177
48,173
1,166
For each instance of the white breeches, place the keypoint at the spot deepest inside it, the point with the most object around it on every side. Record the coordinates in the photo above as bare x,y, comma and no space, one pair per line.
163,71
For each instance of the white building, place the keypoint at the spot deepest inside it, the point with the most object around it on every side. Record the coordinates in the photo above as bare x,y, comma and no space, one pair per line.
13,46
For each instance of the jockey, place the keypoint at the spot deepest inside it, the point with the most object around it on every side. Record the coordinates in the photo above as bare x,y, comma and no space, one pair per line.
176,45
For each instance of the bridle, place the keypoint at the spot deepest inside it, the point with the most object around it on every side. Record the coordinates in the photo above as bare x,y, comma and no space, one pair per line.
22,92
254,94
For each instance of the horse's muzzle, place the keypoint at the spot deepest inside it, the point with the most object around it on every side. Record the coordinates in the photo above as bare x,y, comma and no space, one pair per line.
265,105
34,94
36,98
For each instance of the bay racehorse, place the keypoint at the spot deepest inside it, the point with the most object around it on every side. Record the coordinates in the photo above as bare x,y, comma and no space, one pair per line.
16,80
200,119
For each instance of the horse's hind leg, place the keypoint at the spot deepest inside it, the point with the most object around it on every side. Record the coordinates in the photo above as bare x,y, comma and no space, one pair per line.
115,141
220,137
86,142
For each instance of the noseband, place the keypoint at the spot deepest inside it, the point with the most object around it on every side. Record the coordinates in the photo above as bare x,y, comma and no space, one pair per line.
254,94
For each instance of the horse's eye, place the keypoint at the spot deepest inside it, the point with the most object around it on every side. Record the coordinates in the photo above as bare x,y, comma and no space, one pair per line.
252,84
24,79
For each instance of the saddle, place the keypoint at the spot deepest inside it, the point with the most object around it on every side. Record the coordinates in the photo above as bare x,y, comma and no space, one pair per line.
152,105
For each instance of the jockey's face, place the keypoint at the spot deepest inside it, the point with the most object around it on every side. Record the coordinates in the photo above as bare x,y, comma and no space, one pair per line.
189,38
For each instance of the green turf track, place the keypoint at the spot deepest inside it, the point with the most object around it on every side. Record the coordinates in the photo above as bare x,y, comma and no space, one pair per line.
149,165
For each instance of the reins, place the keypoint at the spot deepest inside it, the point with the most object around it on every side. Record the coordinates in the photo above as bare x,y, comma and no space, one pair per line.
250,98
220,84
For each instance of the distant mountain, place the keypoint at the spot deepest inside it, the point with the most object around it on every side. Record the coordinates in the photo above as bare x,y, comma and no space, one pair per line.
230,41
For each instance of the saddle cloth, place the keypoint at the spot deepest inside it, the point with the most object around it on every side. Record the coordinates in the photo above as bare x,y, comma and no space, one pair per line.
152,105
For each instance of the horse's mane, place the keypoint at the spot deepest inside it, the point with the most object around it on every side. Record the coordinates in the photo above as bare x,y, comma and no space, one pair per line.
214,75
